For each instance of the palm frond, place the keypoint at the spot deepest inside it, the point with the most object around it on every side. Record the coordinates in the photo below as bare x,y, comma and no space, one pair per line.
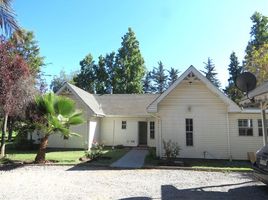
64,106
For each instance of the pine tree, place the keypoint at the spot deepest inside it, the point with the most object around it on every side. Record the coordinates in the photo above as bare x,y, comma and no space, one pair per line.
160,78
147,83
211,73
129,64
234,70
101,76
85,79
110,69
173,75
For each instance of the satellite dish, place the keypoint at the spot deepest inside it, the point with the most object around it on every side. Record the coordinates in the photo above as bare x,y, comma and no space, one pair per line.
246,82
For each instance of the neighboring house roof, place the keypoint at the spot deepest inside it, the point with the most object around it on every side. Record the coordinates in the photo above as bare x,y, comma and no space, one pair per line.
125,104
86,97
259,94
232,106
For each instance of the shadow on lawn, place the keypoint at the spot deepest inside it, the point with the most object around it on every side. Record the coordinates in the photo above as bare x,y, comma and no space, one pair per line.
236,191
8,165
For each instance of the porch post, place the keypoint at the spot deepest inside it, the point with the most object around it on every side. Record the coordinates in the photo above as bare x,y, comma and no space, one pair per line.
264,127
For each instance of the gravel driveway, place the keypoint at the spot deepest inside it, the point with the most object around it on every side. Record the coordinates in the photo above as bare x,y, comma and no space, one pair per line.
58,182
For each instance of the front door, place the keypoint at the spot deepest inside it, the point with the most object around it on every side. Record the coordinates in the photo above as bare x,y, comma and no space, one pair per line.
142,133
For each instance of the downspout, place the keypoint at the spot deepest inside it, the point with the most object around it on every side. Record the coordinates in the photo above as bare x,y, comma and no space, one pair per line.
228,137
159,123
113,132
264,129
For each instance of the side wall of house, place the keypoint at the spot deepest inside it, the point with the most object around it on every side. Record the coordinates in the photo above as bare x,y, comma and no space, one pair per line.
194,100
112,133
241,145
57,140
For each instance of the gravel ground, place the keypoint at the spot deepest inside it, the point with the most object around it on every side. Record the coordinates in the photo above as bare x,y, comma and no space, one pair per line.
62,182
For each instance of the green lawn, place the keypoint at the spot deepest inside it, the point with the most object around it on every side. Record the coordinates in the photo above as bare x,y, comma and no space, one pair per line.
109,156
63,156
224,165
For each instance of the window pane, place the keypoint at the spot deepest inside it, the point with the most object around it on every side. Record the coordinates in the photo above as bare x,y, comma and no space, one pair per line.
152,130
124,124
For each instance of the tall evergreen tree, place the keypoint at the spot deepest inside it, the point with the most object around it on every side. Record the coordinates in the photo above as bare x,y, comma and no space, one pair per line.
110,69
258,34
129,64
147,83
234,70
173,75
160,78
85,79
101,76
211,73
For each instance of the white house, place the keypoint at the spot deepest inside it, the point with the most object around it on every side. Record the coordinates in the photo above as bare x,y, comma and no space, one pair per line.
192,112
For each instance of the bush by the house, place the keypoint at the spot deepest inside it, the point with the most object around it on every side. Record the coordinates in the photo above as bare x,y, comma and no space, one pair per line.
172,149
95,151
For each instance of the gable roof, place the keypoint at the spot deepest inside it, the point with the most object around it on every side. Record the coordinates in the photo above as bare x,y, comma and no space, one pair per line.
125,104
232,106
86,97
112,104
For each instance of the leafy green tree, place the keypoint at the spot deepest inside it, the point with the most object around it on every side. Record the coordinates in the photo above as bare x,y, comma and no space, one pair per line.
54,115
160,78
258,64
85,79
147,83
129,66
101,76
28,48
58,81
234,70
173,75
8,22
211,73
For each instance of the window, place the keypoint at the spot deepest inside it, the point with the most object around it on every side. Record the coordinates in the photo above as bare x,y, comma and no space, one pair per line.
151,130
189,132
260,126
245,127
124,125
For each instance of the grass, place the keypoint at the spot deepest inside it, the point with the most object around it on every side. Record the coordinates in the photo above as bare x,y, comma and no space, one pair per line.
63,156
206,164
110,155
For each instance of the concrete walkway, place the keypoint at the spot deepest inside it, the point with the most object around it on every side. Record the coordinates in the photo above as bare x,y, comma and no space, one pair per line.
133,159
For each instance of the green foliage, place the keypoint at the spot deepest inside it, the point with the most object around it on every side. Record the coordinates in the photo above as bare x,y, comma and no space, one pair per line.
258,63
59,114
173,75
210,73
160,78
258,34
95,151
234,70
147,83
172,149
129,66
85,78
27,47
101,76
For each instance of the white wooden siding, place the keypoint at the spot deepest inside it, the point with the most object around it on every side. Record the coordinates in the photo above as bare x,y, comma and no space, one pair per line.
209,115
240,145
113,134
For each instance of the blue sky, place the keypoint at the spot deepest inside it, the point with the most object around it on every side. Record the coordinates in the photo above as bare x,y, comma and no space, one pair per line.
180,33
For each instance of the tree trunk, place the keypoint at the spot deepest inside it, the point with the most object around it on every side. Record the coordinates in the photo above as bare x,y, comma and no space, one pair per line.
3,139
10,128
41,154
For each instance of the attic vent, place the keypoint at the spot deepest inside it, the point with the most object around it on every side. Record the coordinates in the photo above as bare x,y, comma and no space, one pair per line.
66,91
191,77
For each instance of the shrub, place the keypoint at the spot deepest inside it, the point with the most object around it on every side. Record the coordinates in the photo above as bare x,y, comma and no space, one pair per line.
152,152
172,149
95,151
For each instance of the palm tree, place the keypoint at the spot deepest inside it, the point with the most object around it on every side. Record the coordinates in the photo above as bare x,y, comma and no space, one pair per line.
58,114
8,22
